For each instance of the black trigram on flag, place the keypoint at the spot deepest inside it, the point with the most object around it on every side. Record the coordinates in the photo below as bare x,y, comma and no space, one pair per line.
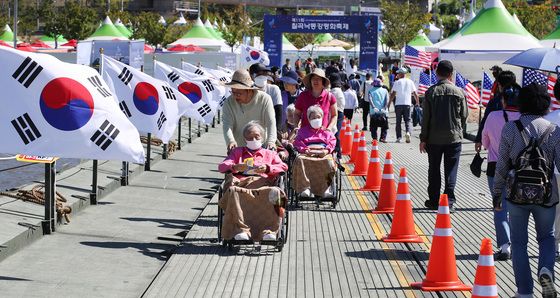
161,120
224,79
96,82
124,109
169,93
27,72
26,129
208,85
199,72
222,101
125,76
105,135
173,76
204,110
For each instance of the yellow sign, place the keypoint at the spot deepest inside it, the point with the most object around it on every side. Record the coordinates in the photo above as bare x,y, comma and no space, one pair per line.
36,159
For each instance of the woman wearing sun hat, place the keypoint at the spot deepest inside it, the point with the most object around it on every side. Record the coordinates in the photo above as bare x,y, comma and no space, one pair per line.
316,93
246,104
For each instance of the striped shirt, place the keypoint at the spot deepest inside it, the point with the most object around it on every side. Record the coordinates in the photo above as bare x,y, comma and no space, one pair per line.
512,144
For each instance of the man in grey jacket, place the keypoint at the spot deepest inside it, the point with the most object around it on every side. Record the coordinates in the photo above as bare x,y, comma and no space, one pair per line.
445,114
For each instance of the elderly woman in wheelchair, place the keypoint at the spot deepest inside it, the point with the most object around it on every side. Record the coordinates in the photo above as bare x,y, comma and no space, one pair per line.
252,203
314,168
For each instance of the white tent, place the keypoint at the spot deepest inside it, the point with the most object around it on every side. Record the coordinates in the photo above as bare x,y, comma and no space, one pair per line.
287,45
199,36
180,21
490,38
317,48
162,21
435,33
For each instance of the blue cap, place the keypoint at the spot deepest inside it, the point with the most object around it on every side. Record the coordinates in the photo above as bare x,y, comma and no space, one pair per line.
291,77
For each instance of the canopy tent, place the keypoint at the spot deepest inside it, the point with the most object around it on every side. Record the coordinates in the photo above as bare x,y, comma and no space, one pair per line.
162,21
552,39
317,48
435,33
181,20
287,45
335,43
492,37
107,31
7,35
516,19
122,28
211,30
50,40
420,41
38,44
198,35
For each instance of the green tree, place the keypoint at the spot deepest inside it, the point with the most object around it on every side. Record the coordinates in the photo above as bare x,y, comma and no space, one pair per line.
146,26
238,27
402,22
54,21
172,33
300,40
78,21
539,19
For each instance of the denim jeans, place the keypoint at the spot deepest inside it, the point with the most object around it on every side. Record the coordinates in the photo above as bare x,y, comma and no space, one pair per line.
501,222
450,154
544,226
402,111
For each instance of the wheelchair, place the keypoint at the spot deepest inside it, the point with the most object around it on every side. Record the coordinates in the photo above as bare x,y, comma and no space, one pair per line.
336,185
281,236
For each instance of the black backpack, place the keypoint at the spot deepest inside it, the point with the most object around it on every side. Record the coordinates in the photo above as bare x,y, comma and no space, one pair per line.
529,181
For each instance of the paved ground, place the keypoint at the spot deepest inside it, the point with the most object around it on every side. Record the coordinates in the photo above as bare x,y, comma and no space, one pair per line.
116,248
338,252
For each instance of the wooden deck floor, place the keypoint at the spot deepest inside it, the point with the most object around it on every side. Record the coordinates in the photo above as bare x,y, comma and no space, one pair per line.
338,252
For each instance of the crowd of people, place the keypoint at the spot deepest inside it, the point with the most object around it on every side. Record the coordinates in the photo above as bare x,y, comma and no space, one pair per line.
298,113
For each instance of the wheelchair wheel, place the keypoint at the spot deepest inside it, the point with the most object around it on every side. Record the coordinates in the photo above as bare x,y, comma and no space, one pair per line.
220,214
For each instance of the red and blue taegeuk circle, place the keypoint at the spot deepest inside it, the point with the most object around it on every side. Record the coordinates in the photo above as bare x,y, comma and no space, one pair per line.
191,91
255,55
146,99
66,104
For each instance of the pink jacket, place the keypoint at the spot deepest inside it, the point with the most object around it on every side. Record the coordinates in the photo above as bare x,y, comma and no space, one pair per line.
492,132
261,157
308,135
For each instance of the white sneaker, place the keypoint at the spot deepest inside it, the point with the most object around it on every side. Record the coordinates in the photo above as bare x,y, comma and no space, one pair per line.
269,237
547,284
241,236
407,137
306,193
398,141
328,193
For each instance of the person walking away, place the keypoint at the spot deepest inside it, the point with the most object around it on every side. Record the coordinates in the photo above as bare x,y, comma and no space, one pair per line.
310,66
554,117
445,114
401,95
350,102
379,110
356,85
291,91
491,136
297,64
316,93
529,151
336,90
494,104
246,103
365,102
331,69
262,75
286,67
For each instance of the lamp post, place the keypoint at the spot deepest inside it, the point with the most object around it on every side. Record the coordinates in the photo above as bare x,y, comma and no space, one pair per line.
15,22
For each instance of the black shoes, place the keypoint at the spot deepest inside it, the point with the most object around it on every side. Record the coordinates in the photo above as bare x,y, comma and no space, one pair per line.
548,288
502,256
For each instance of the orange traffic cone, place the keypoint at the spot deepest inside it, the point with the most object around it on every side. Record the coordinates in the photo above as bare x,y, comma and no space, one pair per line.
387,194
345,135
361,161
402,227
355,144
373,179
485,277
442,268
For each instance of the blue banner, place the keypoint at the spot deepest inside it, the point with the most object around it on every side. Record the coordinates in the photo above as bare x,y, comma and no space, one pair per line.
366,26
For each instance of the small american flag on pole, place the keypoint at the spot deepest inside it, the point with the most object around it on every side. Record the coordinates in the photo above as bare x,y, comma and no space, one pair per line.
535,76
416,58
473,97
424,83
487,84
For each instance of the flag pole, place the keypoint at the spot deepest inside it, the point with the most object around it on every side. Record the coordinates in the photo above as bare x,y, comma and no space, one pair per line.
480,102
94,168
179,123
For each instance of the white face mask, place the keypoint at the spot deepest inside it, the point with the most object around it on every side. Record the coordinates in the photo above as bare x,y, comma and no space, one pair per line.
254,144
260,81
316,123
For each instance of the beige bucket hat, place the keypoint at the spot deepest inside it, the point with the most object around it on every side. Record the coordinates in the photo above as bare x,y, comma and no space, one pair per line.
318,72
241,80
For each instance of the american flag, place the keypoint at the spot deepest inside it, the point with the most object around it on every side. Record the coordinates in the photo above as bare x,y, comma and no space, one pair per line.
530,76
424,84
487,84
433,78
473,97
416,58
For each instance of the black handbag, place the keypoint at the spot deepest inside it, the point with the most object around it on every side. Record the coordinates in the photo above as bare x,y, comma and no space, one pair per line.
476,165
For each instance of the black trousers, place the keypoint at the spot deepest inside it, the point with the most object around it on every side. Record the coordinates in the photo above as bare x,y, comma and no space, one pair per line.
349,113
278,115
365,113
450,154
